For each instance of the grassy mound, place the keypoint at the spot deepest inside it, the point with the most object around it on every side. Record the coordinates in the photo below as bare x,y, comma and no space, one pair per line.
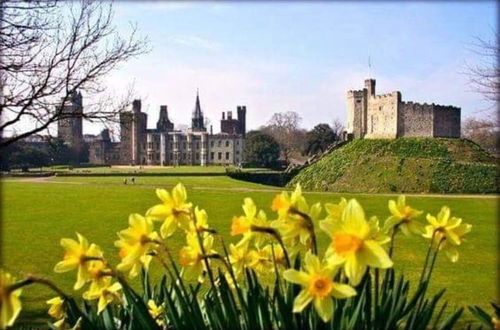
417,165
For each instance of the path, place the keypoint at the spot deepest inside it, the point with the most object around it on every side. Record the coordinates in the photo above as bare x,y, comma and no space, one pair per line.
243,189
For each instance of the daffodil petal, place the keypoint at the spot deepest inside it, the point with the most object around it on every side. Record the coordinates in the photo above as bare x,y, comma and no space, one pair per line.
295,276
301,301
324,307
374,255
342,291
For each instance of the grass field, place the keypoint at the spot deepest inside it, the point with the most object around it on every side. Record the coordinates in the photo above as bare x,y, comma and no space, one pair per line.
37,213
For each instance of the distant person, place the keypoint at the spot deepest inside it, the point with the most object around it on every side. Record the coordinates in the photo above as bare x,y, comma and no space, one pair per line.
133,180
125,181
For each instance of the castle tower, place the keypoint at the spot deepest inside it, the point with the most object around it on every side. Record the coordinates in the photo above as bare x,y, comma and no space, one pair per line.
70,128
370,86
242,115
133,135
164,124
198,121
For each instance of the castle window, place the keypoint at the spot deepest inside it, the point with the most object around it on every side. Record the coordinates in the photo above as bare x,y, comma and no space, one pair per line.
237,142
184,145
380,108
227,155
358,101
171,145
227,143
157,145
150,157
237,152
220,143
219,156
211,156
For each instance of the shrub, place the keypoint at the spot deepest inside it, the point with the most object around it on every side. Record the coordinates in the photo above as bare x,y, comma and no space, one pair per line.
273,278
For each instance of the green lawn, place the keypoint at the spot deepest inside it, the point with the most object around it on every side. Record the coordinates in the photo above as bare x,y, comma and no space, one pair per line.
36,215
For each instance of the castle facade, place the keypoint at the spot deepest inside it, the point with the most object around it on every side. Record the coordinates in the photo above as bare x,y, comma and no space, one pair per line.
386,116
162,145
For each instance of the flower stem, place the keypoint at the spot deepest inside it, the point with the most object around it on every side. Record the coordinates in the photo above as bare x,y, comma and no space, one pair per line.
30,279
310,228
277,237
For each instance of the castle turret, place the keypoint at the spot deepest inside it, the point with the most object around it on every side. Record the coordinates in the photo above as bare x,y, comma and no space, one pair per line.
242,114
370,86
164,124
69,127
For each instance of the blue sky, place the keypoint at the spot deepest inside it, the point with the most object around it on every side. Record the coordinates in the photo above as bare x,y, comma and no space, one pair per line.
298,56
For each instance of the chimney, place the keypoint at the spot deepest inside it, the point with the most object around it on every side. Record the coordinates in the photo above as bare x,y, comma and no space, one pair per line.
229,115
212,129
223,115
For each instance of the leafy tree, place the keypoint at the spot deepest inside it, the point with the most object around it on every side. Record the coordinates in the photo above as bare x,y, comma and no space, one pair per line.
319,138
261,149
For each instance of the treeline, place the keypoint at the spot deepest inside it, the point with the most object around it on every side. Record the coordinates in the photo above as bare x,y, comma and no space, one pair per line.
24,155
282,141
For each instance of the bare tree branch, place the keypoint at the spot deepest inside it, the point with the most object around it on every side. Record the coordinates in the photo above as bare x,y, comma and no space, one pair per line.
51,49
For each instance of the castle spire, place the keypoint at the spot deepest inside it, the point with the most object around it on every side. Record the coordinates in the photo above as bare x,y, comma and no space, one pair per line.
198,120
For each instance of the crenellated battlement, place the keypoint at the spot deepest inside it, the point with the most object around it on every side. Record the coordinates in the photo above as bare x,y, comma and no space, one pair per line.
387,116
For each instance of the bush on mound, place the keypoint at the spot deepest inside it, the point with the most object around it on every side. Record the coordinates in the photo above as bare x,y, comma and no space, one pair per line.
416,165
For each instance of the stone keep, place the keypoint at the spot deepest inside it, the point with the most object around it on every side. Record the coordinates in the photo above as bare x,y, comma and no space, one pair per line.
386,116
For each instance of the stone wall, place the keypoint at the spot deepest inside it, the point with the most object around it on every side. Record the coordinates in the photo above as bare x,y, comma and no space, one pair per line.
446,121
382,116
356,112
415,120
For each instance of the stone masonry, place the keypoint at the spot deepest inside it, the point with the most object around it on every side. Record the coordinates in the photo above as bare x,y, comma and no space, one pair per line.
386,116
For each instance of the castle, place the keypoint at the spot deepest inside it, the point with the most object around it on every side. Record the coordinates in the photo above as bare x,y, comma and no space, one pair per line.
162,145
386,116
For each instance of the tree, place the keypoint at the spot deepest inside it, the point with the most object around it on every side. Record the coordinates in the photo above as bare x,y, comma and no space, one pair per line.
51,49
337,128
261,149
319,138
482,131
284,128
485,77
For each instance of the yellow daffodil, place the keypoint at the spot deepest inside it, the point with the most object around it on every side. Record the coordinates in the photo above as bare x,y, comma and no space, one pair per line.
296,228
356,243
318,286
334,215
240,257
242,225
135,242
156,312
447,232
403,217
56,310
105,291
279,255
261,262
78,255
10,305
201,217
174,211
191,256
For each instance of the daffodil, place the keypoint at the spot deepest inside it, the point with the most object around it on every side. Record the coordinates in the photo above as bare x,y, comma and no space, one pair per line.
174,211
403,217
334,215
78,255
318,286
242,225
105,291
135,242
10,305
201,218
447,232
298,227
56,310
277,251
191,256
356,243
156,312
240,257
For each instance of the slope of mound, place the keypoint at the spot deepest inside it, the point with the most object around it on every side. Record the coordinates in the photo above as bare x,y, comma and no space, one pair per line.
403,165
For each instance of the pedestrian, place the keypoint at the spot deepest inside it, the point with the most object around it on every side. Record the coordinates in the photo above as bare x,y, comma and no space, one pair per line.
133,180
125,181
